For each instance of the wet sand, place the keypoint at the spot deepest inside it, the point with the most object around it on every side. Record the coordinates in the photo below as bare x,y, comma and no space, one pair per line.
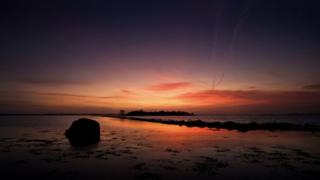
145,150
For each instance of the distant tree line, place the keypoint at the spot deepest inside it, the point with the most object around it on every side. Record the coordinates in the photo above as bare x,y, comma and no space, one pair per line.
158,113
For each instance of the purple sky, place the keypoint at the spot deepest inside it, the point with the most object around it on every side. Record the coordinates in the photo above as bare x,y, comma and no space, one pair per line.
241,56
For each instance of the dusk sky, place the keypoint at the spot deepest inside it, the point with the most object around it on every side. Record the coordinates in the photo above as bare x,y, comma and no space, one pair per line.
205,56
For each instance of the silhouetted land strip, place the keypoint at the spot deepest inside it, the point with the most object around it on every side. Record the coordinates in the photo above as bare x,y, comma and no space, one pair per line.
230,125
159,113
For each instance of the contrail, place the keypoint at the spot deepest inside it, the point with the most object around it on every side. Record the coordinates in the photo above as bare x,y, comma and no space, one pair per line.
244,14
215,31
218,82
217,16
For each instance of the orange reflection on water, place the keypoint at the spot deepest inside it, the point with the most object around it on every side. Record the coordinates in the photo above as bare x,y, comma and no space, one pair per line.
163,135
163,128
167,133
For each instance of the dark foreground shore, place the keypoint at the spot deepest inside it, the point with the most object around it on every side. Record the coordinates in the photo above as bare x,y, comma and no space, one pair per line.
36,148
230,125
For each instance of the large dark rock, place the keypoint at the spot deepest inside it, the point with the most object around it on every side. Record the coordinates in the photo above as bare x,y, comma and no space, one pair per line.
83,132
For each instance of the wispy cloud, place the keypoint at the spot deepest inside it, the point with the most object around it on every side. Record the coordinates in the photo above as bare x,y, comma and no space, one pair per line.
169,86
127,92
52,81
208,97
252,87
312,86
78,95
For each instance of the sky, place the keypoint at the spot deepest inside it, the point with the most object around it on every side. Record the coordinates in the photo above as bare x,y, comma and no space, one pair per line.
204,56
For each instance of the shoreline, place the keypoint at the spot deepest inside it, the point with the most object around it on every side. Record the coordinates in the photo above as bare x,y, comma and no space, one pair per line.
231,125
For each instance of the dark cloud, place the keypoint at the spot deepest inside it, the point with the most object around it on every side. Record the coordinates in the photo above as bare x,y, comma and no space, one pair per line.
312,86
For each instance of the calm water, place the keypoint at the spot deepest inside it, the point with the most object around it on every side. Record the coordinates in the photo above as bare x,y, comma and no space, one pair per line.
295,119
35,147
